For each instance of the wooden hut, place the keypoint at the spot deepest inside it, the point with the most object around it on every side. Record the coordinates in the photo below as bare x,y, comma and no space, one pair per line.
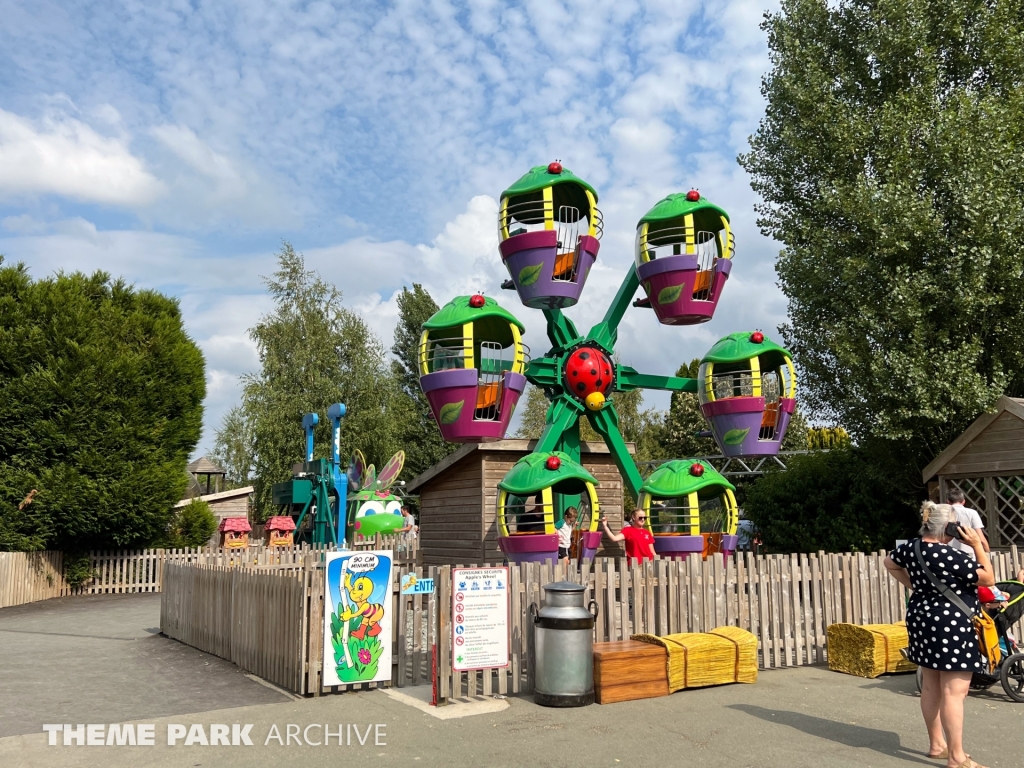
987,463
233,503
458,496
204,471
280,531
234,532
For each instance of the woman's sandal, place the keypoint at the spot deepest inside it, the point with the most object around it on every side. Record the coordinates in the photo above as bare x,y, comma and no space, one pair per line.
944,755
968,763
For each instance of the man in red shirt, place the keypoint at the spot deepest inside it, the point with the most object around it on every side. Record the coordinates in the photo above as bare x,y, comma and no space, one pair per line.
639,541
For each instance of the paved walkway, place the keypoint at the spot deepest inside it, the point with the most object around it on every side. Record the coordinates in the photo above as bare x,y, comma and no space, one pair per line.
799,718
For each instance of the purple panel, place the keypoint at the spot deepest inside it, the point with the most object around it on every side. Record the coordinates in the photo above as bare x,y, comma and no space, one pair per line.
678,547
675,276
453,395
530,548
748,444
529,252
787,404
589,542
729,405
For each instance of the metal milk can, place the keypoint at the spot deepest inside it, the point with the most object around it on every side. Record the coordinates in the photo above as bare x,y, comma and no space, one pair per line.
564,647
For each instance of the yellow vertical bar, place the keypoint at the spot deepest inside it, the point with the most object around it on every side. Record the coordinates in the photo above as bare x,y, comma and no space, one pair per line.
519,360
549,208
468,359
643,500
591,214
501,502
725,236
792,378
694,504
549,510
709,390
691,235
503,219
424,353
595,508
732,516
755,376
642,247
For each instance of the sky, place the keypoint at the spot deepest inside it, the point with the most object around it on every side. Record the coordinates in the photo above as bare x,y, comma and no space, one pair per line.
177,144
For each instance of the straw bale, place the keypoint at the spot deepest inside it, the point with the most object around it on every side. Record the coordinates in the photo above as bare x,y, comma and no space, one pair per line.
868,650
697,659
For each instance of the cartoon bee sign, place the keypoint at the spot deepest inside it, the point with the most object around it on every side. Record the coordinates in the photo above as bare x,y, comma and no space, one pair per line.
357,617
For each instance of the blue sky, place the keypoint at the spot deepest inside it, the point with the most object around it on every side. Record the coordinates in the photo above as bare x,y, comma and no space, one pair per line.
178,143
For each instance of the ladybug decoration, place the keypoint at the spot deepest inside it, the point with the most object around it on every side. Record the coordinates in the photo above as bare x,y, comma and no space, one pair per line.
696,470
476,301
553,463
757,337
693,196
587,371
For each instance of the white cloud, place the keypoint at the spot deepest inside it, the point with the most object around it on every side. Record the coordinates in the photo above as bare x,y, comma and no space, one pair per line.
60,155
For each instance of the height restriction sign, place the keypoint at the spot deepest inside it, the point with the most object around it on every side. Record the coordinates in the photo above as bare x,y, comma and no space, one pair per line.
479,618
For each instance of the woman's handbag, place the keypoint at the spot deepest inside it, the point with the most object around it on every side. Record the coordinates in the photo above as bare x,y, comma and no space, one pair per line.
984,626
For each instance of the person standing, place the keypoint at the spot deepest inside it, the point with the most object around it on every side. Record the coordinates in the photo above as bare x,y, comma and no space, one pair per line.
943,641
966,518
409,528
639,540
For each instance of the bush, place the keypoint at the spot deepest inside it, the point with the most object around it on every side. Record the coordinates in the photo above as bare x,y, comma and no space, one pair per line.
77,569
192,526
101,396
848,499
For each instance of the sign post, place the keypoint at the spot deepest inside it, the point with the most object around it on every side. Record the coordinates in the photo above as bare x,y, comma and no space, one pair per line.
480,633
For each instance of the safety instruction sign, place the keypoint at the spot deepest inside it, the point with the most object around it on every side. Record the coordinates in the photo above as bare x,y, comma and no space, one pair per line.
479,618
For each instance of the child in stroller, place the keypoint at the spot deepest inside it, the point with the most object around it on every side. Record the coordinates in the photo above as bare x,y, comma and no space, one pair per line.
1006,613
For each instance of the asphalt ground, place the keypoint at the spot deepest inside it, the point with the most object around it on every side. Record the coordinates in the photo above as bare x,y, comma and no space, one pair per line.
790,718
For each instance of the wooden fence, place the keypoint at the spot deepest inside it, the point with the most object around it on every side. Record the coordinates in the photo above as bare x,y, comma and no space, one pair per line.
786,601
29,576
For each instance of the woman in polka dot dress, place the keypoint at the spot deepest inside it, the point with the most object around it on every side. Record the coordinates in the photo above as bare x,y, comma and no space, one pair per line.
942,639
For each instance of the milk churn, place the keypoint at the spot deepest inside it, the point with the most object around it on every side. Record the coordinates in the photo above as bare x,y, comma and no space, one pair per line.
564,644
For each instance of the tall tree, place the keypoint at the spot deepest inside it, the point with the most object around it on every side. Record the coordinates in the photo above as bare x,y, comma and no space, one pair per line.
684,421
314,352
418,431
233,448
889,166
101,395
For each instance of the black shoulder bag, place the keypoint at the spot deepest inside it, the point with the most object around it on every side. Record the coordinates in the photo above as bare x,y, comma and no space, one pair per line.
984,626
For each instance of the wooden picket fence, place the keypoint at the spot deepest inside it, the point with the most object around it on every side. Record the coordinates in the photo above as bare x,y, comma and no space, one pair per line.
26,577
786,601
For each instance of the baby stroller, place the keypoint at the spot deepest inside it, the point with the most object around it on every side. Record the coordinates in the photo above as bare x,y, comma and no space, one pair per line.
1011,668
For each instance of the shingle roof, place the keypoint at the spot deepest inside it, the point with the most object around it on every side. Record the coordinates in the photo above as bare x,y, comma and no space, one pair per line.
239,524
280,523
203,466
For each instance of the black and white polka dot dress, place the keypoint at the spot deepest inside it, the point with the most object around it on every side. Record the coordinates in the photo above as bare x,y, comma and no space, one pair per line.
941,637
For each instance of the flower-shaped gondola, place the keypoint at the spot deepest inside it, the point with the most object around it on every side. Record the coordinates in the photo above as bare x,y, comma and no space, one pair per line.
684,253
747,392
472,368
550,230
527,518
690,509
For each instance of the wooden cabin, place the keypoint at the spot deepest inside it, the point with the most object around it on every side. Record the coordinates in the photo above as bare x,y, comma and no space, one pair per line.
458,496
233,503
279,531
234,532
987,463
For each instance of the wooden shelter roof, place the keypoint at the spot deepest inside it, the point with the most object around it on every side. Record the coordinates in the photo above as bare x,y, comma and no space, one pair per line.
1011,406
203,466
521,445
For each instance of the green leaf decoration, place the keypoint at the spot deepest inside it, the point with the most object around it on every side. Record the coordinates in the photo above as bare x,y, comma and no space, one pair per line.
529,275
670,294
735,436
450,413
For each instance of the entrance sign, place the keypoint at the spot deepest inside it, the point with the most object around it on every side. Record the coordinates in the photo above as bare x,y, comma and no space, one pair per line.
479,618
413,586
357,617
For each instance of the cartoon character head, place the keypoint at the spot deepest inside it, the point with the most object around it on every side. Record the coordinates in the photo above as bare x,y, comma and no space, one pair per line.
361,589
372,507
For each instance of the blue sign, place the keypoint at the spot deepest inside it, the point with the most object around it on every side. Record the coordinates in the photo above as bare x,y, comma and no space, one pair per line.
413,586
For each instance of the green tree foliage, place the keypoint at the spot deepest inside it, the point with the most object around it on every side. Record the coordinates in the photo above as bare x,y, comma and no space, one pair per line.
826,438
684,420
314,352
839,501
192,525
889,165
101,395
233,448
418,432
533,409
